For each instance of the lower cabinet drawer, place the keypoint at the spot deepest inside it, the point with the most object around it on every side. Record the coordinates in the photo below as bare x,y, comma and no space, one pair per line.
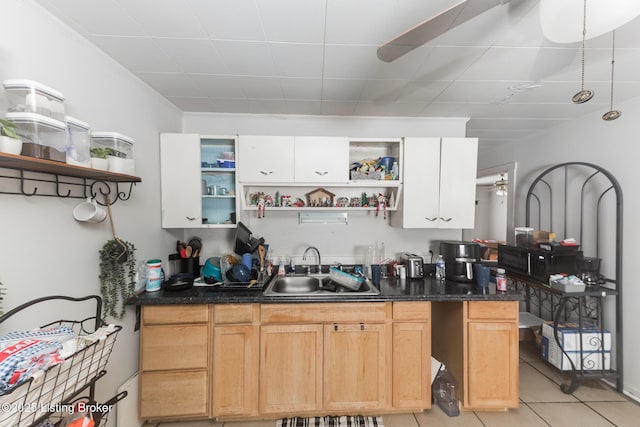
488,310
174,394
174,347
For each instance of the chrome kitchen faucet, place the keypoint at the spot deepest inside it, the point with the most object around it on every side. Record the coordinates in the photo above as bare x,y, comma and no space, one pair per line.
313,248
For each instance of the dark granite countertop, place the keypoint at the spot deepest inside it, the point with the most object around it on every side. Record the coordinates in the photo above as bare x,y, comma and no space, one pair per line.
391,289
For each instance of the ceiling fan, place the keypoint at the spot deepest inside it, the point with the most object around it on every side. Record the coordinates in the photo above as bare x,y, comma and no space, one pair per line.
499,186
434,27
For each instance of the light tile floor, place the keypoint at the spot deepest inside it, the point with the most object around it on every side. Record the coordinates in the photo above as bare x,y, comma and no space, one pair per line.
542,403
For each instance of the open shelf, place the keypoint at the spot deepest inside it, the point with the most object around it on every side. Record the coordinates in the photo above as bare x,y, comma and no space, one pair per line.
80,182
32,164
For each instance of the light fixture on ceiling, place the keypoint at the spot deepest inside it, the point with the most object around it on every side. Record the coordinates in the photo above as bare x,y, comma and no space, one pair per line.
585,94
501,185
561,24
612,114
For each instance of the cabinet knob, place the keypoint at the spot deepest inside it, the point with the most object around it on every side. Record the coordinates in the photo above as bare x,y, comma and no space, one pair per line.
335,327
266,172
446,219
322,173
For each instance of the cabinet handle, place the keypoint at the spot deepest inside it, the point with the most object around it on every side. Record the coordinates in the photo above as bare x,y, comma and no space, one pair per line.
322,173
362,326
435,218
266,172
335,327
192,218
446,219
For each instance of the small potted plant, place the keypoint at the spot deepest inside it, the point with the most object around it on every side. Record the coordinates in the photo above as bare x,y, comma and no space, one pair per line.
99,157
9,140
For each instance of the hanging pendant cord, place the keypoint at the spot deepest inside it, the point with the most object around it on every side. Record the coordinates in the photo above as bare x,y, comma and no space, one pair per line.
613,50
584,36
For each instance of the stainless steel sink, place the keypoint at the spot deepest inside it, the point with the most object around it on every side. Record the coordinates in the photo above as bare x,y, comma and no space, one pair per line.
313,286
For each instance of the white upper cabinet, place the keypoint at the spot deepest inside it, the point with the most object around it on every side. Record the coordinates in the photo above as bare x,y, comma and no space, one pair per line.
180,180
266,158
198,181
458,170
321,159
439,183
288,159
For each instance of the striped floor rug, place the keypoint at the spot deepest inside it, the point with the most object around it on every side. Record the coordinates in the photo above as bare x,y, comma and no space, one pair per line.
331,421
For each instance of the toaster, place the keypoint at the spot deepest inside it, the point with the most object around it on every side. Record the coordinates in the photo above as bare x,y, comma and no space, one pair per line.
414,265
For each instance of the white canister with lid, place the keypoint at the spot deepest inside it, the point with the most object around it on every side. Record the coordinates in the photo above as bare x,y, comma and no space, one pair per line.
155,275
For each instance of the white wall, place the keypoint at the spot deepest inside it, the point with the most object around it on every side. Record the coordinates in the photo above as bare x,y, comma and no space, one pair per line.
336,243
44,251
491,216
613,146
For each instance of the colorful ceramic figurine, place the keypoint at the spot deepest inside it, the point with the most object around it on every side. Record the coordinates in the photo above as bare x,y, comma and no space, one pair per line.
382,204
261,205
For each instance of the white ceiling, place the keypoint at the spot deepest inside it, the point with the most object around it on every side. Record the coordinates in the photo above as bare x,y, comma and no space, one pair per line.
319,57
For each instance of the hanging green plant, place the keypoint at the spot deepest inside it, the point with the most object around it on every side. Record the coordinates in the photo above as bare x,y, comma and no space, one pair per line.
117,275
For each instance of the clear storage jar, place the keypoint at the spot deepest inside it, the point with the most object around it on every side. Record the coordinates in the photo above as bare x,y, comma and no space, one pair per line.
119,151
78,142
42,137
27,96
524,236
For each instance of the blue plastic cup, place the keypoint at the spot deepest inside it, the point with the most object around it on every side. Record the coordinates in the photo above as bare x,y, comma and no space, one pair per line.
247,260
375,274
482,273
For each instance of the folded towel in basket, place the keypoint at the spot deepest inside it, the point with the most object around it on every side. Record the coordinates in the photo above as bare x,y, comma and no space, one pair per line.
59,333
20,361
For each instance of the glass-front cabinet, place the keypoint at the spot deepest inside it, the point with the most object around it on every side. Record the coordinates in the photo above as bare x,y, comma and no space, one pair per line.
218,166
198,181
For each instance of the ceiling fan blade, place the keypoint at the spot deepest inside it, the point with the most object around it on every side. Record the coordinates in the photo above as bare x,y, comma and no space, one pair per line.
434,27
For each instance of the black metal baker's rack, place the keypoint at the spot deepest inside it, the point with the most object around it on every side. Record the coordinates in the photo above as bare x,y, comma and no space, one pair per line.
583,200
61,386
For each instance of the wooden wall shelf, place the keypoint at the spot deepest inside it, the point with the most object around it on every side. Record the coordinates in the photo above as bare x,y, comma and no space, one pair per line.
63,180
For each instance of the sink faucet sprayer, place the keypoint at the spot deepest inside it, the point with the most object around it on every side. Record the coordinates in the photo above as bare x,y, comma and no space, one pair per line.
313,248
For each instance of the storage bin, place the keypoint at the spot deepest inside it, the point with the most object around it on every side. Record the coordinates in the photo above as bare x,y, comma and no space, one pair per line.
27,96
119,151
78,142
42,137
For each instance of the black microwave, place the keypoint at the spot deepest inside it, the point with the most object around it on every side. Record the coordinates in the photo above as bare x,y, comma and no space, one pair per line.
515,259
546,263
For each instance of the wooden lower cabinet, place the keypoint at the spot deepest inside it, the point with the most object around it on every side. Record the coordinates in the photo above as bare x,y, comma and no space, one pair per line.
492,379
235,370
174,362
411,365
290,368
243,361
356,366
478,343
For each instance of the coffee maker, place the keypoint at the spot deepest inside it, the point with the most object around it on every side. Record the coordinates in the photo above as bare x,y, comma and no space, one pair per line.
459,258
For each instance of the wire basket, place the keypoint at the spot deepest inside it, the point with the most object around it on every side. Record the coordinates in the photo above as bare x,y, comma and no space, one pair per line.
32,401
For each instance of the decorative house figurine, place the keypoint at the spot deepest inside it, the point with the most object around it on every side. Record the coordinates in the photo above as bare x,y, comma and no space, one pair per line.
320,198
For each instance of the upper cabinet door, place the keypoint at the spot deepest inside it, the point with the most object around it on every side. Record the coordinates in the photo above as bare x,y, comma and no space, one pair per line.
180,185
458,167
420,204
265,158
321,159
439,183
